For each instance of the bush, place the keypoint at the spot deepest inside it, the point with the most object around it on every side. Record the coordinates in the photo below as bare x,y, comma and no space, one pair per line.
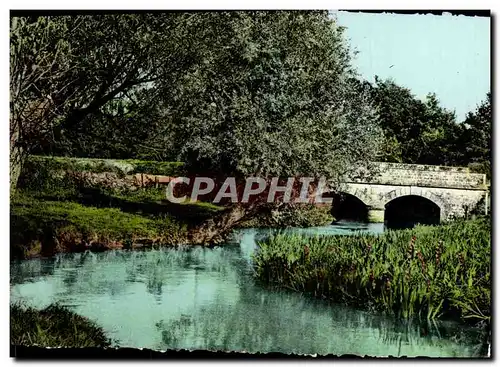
296,215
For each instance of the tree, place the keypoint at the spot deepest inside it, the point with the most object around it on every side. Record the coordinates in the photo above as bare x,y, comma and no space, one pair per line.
475,139
65,68
274,95
35,59
237,93
121,129
415,131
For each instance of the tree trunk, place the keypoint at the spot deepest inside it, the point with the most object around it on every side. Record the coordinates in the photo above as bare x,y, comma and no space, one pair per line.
17,156
215,229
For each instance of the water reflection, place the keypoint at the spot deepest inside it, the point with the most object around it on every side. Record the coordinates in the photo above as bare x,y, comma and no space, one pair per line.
207,299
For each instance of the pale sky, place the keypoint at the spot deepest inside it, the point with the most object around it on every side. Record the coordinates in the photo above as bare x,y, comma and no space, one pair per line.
448,55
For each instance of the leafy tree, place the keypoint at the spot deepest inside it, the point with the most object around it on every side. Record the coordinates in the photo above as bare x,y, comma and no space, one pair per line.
273,95
415,131
475,139
65,68
477,131
121,129
439,135
240,93
391,149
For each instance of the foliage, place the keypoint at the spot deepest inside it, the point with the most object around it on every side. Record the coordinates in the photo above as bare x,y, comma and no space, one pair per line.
54,326
428,272
298,215
213,89
423,132
478,131
476,138
246,102
65,68
273,96
416,131
122,129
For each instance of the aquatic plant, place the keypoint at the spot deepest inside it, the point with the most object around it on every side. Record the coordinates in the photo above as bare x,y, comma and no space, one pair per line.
429,272
54,326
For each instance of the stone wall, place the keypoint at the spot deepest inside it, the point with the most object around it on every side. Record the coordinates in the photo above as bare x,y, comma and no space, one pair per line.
113,180
420,175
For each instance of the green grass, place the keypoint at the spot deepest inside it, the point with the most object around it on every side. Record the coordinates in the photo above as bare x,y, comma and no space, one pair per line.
428,272
52,211
157,168
54,326
155,195
46,227
110,221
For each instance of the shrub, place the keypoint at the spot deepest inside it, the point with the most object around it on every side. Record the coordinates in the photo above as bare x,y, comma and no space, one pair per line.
297,215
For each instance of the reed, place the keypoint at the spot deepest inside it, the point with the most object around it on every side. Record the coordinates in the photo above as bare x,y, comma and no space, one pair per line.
429,272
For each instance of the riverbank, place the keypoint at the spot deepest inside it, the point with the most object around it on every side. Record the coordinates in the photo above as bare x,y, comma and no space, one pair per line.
40,227
54,326
43,227
428,272
72,204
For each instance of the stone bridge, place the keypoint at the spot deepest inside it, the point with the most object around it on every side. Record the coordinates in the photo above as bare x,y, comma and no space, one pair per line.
385,192
393,190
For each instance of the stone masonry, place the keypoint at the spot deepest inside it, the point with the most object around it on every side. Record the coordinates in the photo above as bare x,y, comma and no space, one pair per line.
455,190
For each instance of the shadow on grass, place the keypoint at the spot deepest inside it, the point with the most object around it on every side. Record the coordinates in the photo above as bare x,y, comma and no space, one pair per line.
149,203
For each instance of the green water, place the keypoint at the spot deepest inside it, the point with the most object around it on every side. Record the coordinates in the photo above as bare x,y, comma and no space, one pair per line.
207,299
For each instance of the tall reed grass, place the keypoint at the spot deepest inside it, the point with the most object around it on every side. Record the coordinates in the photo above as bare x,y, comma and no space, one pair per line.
430,272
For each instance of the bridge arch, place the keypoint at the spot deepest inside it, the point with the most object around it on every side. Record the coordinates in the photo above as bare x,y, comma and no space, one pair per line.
407,210
346,206
421,192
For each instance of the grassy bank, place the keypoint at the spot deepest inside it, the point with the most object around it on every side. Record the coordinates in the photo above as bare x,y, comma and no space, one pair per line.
53,212
54,326
58,207
41,227
101,221
430,272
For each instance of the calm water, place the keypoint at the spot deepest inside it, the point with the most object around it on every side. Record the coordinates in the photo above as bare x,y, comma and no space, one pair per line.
207,299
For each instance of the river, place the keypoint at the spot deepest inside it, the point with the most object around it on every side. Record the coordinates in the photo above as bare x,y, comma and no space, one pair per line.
197,298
